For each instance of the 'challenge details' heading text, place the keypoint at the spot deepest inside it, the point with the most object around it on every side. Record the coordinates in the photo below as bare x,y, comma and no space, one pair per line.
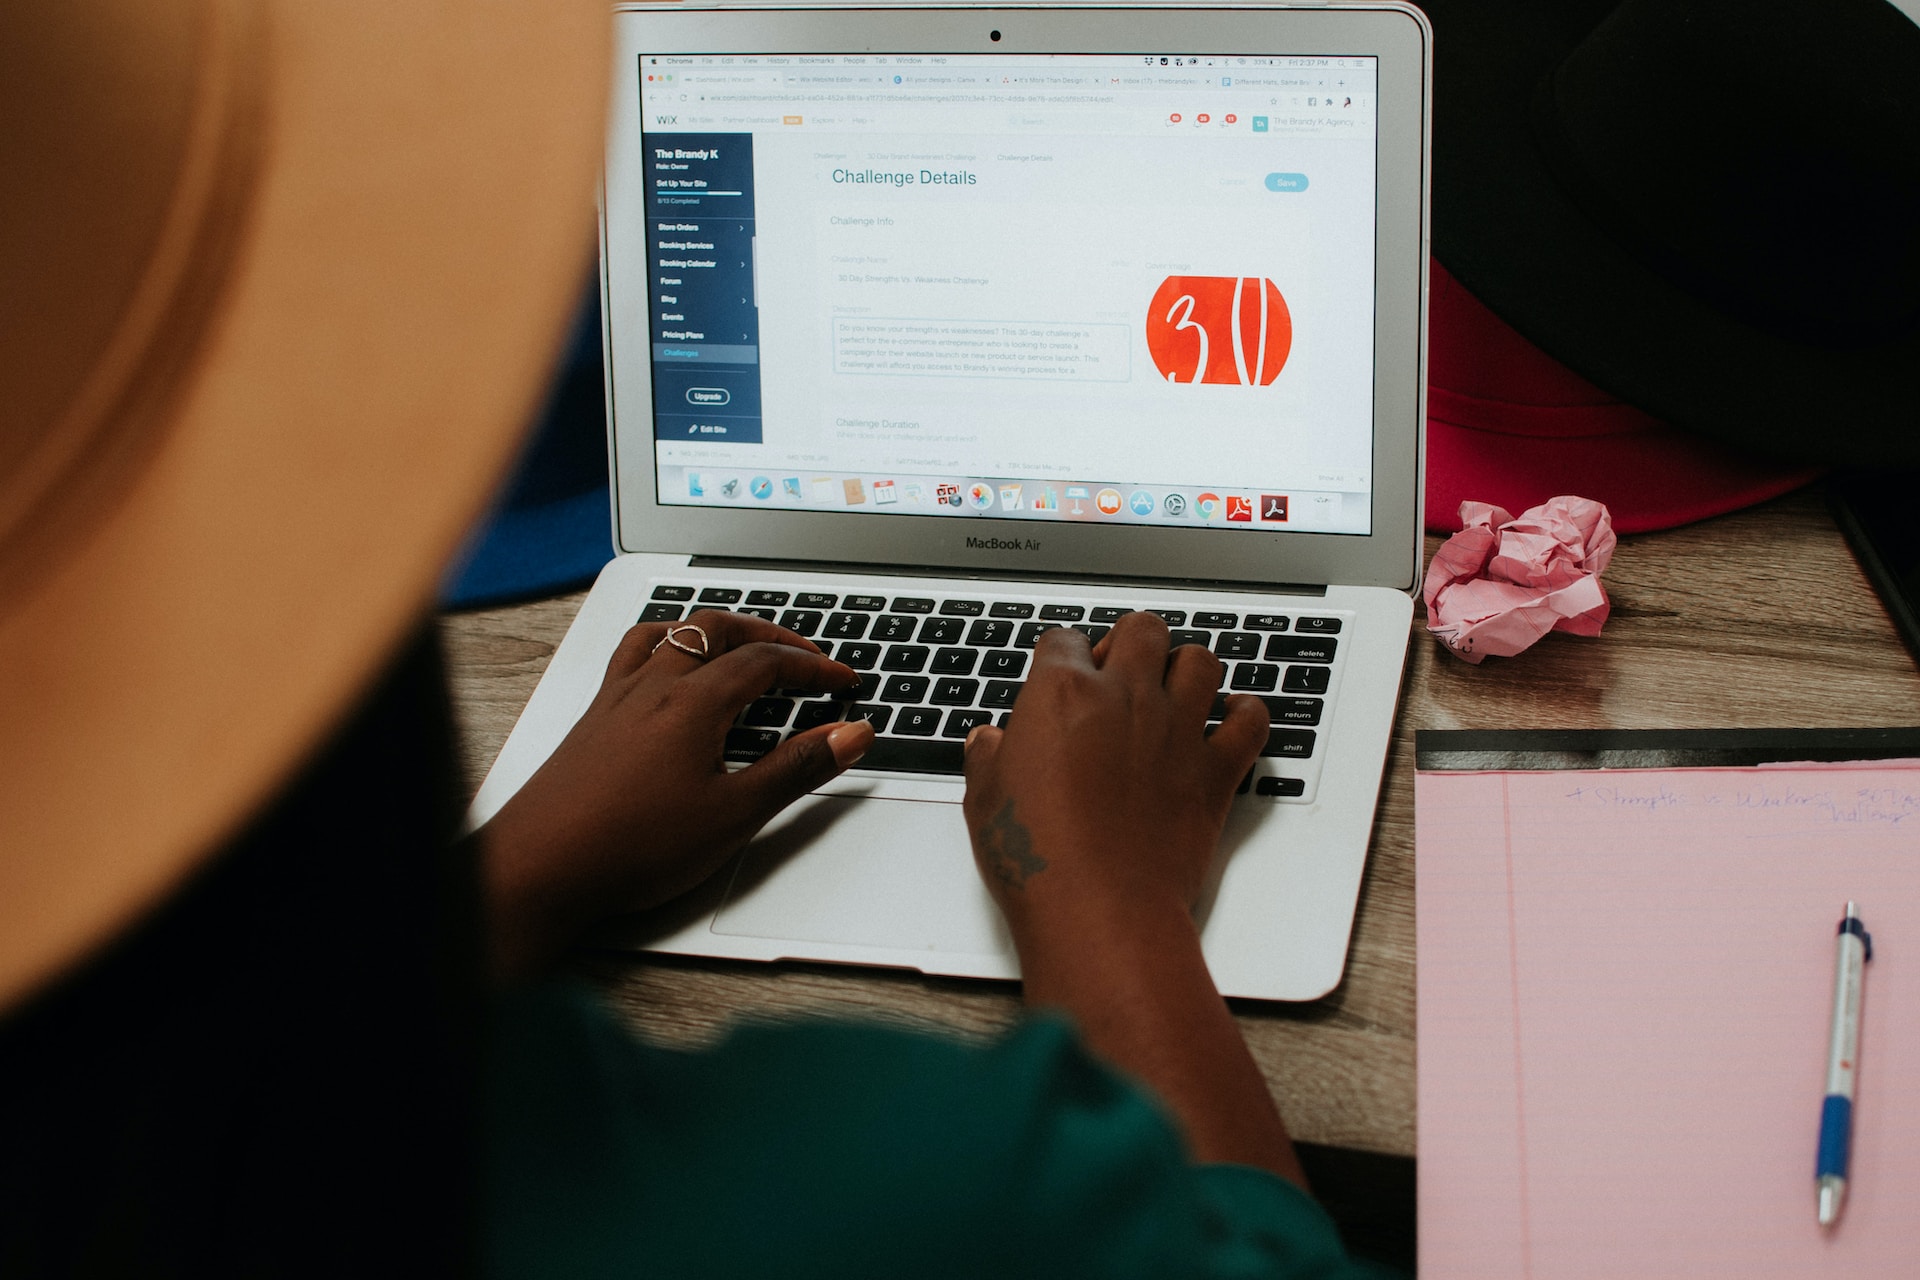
906,177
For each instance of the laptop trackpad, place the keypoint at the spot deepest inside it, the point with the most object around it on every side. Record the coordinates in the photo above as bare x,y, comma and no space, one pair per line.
865,872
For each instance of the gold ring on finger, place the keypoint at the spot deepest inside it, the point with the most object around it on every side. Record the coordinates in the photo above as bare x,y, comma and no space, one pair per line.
679,629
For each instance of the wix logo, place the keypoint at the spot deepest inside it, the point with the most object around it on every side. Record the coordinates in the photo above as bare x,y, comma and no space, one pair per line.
665,119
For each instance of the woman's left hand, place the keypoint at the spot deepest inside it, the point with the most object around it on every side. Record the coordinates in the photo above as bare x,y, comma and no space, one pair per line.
636,805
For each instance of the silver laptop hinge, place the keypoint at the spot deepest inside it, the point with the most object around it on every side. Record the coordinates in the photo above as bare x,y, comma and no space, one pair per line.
980,575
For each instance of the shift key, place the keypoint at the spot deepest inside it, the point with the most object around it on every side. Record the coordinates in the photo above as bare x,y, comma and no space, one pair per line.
1296,743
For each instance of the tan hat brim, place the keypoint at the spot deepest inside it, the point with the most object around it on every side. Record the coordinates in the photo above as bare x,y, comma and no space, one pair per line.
419,227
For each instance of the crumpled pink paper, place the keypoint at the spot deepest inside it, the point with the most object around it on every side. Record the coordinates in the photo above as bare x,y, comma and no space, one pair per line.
1500,583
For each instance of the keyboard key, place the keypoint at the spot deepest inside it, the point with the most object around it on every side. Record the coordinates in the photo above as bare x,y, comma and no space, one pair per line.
1300,649
894,627
1216,621
1237,644
660,613
954,692
1306,680
1266,622
720,595
664,592
913,604
907,657
1030,632
815,600
1064,612
814,714
1293,710
1109,613
1002,722
962,723
1172,617
825,647
989,633
1244,784
1011,609
1179,637
905,689
953,662
865,691
866,604
941,630
861,657
919,721
963,608
1001,693
1010,663
768,713
754,612
1279,710
774,599
801,621
846,626
1320,626
1282,786
911,755
1091,632
872,713
1255,677
745,745
1289,742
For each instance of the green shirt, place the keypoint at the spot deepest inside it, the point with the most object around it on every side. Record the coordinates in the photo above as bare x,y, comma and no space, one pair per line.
829,1150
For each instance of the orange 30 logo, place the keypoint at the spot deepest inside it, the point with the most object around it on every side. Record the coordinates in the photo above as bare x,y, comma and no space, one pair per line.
1232,329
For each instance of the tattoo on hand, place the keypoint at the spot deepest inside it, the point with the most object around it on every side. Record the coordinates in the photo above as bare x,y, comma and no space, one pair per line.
1009,850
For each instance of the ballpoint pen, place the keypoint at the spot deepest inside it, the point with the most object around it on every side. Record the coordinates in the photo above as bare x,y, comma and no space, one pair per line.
1851,953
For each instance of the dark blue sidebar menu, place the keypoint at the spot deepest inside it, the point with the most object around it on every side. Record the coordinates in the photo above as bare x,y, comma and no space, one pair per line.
705,320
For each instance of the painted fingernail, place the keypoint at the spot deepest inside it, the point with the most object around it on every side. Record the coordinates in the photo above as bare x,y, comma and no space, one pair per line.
850,741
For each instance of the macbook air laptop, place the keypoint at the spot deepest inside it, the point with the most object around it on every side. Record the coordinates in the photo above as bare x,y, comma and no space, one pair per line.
930,328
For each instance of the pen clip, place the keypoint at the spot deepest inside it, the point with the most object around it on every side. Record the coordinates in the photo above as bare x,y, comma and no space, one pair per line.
1853,926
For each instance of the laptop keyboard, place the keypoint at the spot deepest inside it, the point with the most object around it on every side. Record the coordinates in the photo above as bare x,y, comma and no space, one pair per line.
934,667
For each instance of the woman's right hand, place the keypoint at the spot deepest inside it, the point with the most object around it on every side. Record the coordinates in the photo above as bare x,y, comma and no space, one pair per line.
1095,815
1105,797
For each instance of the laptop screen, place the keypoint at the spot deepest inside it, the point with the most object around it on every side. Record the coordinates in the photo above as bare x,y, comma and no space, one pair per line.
1099,288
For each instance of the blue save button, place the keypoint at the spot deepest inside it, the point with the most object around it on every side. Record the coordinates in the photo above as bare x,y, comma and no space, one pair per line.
1286,182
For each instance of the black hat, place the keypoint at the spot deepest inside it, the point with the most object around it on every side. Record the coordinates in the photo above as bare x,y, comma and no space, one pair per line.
1709,208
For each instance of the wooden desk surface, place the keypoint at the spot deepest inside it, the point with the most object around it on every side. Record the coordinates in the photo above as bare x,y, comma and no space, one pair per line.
1756,619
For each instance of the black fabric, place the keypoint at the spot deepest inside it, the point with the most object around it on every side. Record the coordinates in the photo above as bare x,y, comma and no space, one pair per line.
1682,129
1709,208
276,1073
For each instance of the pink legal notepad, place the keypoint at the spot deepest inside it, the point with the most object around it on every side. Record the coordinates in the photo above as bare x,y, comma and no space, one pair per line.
1625,984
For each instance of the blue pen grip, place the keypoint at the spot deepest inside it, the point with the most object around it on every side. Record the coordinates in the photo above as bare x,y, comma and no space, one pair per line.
1836,1133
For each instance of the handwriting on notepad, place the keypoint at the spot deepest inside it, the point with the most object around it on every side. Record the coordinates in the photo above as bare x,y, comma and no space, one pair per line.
1862,806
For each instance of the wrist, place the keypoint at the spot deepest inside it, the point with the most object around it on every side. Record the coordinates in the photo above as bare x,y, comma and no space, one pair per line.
532,915
1089,887
1065,937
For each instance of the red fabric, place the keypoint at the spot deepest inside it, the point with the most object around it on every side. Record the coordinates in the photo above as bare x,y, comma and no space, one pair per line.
1509,425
